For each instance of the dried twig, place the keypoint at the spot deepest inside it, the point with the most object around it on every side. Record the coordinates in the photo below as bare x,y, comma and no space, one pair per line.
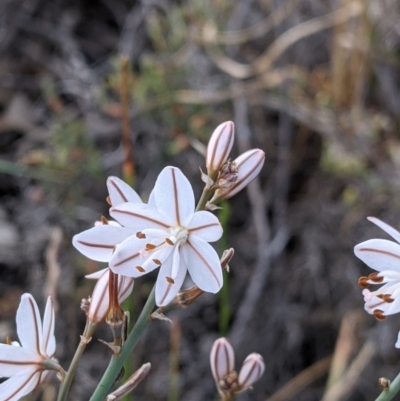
302,380
345,345
346,385
53,267
255,31
264,62
265,253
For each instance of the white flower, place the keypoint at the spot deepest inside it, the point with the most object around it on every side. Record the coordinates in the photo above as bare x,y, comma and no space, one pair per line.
166,233
222,360
100,300
171,236
26,365
384,256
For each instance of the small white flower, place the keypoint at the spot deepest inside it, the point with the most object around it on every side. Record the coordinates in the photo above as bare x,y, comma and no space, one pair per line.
100,300
26,365
166,233
172,236
384,257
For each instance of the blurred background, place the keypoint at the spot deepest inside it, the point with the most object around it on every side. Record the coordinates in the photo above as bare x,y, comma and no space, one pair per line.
314,83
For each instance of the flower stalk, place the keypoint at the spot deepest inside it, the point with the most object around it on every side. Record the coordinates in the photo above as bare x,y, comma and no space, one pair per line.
117,361
66,384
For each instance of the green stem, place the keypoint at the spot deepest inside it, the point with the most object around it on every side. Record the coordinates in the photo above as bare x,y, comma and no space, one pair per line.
66,384
205,196
117,361
394,388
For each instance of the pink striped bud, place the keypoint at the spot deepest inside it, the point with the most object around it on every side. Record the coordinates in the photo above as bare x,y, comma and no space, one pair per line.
219,147
100,300
252,369
222,359
248,166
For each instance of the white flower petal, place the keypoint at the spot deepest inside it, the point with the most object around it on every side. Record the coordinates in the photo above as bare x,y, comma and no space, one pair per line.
14,359
251,370
206,226
174,196
379,254
125,287
98,243
397,345
166,289
20,385
96,275
129,259
151,202
222,359
121,192
100,299
203,264
29,324
138,216
49,341
385,227
152,233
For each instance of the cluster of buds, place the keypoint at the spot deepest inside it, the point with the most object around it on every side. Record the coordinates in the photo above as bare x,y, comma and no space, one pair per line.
228,382
230,176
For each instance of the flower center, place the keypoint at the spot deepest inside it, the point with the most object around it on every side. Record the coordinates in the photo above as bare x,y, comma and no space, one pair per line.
179,235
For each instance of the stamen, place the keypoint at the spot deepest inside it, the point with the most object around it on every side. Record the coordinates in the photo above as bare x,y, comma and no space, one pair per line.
8,340
170,280
375,278
140,269
169,242
104,220
387,298
157,262
140,235
150,247
363,282
108,200
378,314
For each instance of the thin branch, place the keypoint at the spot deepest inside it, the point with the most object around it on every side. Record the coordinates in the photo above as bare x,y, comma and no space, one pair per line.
265,61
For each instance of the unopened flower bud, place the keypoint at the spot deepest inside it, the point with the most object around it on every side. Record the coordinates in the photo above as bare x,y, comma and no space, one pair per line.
226,257
186,297
219,147
248,166
222,359
130,384
100,301
252,369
